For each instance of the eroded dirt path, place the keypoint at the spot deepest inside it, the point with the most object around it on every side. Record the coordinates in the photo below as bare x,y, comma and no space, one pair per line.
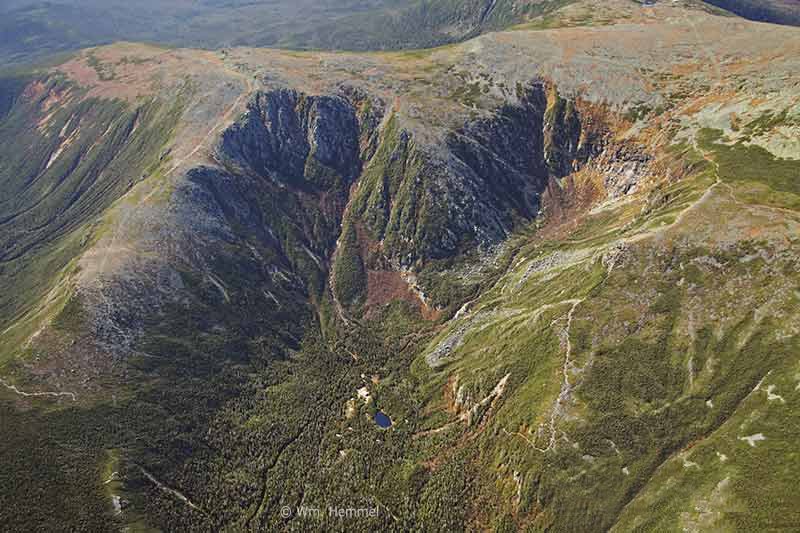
14,389
170,490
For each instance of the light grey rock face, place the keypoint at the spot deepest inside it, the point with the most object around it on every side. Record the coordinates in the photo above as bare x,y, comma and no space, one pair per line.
623,170
295,139
333,135
486,177
287,170
422,198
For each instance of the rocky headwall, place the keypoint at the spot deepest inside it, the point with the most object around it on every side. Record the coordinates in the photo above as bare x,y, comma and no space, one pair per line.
402,200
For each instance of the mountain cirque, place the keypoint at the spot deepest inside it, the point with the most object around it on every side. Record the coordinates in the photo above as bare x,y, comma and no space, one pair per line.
705,69
562,258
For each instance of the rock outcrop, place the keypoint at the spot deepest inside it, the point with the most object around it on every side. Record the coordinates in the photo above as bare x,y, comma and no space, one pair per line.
410,200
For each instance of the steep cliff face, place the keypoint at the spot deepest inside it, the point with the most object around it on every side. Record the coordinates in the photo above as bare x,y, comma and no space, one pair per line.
337,185
313,146
423,201
418,202
296,140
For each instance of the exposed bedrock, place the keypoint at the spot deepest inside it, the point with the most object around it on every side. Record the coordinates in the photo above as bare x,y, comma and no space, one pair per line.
314,192
411,200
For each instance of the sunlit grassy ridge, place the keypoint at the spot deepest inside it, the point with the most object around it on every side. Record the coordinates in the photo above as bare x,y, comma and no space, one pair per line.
67,159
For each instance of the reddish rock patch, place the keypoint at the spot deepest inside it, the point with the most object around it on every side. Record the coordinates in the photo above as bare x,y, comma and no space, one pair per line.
34,90
385,286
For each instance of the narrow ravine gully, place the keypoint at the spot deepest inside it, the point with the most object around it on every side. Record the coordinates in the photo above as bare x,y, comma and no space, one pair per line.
559,404
566,387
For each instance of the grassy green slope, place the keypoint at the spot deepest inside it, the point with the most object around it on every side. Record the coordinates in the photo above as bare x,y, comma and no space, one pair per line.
614,370
65,159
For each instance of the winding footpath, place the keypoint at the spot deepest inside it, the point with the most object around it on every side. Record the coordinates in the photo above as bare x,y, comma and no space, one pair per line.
14,388
171,491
